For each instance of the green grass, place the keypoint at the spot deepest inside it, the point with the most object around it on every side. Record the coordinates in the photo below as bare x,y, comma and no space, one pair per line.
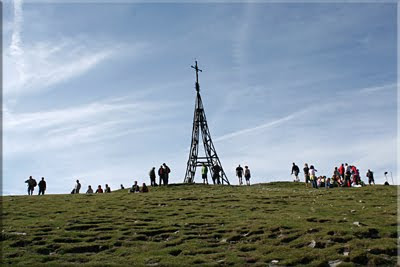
183,225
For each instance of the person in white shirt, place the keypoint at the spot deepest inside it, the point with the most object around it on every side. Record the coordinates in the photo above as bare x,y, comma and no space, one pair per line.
313,179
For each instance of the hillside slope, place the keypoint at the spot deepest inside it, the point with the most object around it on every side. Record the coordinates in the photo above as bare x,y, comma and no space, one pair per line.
181,225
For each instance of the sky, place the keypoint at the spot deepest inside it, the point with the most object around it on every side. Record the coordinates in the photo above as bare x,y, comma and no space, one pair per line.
102,92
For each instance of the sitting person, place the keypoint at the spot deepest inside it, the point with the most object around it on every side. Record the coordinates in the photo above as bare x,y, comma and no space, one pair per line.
89,190
322,181
99,190
122,186
135,188
145,189
108,189
328,183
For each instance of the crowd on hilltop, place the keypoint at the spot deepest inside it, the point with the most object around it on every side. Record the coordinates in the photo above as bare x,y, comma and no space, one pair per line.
343,176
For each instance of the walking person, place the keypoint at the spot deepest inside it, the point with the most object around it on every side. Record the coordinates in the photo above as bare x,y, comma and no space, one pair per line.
295,171
31,185
239,174
247,174
167,170
216,169
42,186
370,176
306,174
161,175
204,171
313,178
153,177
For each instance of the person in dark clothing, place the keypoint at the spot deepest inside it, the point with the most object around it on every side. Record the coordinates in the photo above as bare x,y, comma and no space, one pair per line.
42,186
216,169
166,173
306,174
135,188
161,175
108,189
145,189
239,174
295,171
122,186
247,174
370,176
77,187
153,177
31,185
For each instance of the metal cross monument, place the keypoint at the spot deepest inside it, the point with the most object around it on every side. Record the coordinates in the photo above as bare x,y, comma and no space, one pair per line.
200,123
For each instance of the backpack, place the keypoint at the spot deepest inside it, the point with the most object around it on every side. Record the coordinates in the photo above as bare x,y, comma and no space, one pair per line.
34,183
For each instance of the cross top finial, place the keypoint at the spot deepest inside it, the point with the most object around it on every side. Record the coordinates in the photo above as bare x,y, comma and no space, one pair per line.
197,75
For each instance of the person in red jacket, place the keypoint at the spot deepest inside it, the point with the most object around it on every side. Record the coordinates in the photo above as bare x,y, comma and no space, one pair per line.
341,171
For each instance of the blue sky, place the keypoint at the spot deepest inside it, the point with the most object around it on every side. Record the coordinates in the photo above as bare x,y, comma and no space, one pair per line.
103,92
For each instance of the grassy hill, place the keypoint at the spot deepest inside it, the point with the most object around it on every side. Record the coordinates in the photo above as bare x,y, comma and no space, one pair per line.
183,225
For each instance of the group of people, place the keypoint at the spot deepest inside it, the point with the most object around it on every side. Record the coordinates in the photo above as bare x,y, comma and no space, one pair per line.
239,174
344,176
32,184
163,174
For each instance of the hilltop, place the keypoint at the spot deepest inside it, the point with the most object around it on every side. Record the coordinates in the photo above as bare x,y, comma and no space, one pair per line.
181,225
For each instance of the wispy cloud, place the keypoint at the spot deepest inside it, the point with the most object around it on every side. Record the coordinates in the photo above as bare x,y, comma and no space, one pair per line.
16,50
80,124
260,127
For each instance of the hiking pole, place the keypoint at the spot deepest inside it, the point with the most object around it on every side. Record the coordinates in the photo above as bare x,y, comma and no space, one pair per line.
391,175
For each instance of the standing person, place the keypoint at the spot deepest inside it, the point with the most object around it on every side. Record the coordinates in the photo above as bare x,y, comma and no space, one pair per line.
204,171
336,175
99,190
247,174
166,173
161,175
295,171
108,189
347,175
31,185
89,190
306,174
355,174
42,186
370,176
313,178
341,171
153,177
216,169
77,187
239,174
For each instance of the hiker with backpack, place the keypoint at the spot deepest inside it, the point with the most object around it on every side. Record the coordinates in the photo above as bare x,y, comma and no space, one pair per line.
247,175
370,176
42,186
239,174
31,185
295,171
